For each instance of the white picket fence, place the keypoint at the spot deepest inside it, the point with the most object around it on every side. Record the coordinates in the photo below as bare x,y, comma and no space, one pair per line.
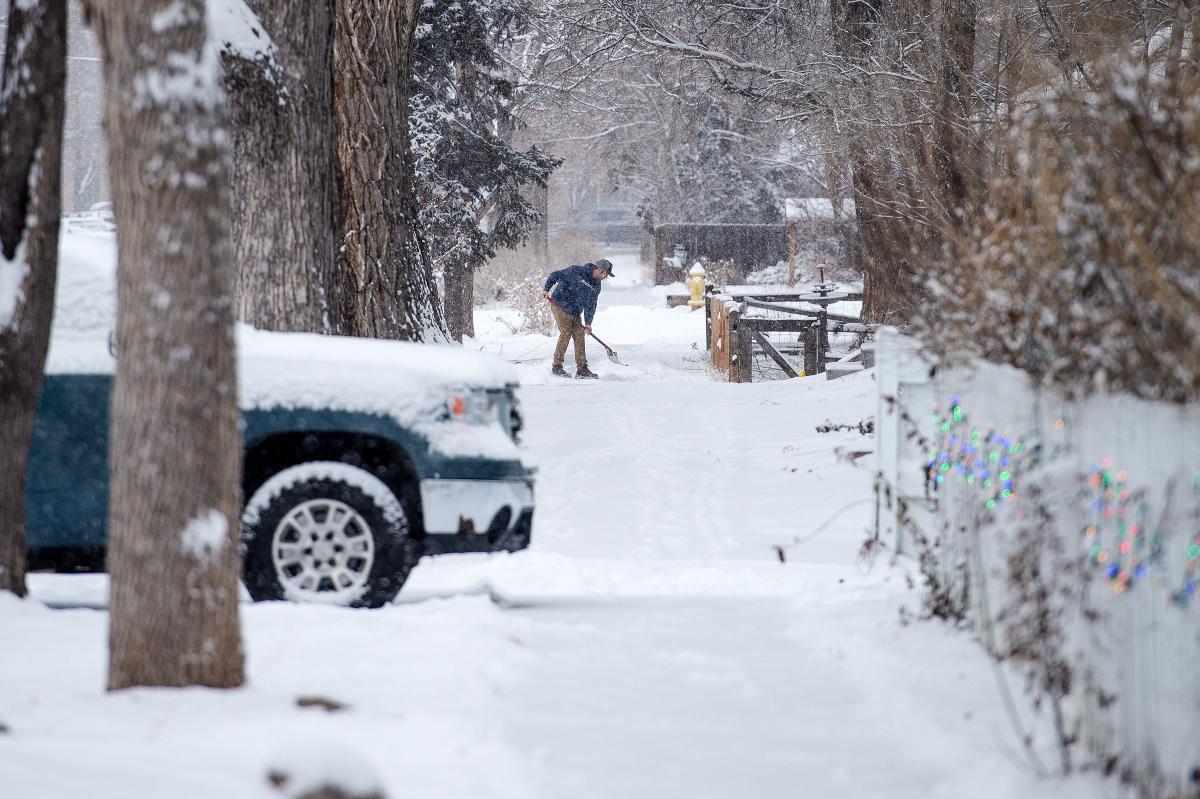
1006,488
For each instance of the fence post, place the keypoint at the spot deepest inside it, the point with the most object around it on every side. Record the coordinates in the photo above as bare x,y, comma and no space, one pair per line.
810,349
887,438
732,317
792,247
741,348
823,334
708,291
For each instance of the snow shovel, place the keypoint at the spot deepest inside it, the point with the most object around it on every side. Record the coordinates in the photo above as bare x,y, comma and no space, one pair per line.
612,354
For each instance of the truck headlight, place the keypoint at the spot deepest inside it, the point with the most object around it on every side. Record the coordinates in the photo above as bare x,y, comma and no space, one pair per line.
473,406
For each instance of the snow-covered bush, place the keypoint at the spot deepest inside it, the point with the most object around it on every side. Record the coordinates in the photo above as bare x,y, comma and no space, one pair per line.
808,270
719,271
775,275
515,277
1083,267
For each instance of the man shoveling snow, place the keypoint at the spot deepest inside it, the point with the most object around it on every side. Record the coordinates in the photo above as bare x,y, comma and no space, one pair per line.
572,293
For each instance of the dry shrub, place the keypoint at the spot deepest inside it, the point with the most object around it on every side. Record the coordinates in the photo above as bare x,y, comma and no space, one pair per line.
515,277
719,272
1084,266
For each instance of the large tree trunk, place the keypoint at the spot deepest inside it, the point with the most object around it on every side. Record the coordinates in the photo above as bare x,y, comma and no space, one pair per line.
31,127
459,286
282,130
387,286
955,158
539,234
175,448
886,282
468,301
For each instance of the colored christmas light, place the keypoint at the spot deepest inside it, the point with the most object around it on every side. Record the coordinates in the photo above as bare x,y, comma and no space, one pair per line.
1121,540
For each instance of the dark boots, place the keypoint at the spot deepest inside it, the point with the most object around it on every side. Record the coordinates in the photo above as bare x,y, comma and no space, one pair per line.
581,372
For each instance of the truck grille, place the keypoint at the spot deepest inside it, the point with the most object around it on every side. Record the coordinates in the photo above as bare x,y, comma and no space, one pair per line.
508,410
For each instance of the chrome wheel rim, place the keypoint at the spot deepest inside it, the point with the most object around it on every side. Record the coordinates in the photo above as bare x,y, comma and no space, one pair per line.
323,550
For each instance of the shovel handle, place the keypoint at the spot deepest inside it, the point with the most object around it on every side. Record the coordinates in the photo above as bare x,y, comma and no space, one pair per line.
607,348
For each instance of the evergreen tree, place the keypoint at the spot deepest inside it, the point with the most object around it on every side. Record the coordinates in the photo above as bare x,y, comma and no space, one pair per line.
468,172
725,170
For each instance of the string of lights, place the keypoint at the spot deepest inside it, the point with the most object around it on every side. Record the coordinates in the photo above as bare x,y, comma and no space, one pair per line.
1124,542
984,457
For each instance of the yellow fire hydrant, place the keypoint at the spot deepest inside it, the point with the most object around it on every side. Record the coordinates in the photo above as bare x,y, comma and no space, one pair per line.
695,284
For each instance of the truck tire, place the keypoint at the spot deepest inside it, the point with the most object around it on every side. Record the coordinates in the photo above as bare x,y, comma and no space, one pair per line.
326,532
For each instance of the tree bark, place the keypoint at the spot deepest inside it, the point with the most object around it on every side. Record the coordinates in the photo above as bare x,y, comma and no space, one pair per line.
459,300
31,129
175,447
539,235
282,132
886,286
954,158
468,301
454,277
387,286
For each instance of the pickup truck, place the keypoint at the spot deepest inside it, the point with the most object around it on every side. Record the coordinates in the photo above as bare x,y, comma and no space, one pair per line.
360,455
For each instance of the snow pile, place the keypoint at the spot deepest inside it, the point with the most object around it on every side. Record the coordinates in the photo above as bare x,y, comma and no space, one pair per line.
424,690
307,767
404,363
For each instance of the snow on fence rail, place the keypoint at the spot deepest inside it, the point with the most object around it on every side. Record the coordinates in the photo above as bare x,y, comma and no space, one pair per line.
1068,533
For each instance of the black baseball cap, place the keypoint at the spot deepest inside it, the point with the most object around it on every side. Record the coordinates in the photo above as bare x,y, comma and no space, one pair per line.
606,265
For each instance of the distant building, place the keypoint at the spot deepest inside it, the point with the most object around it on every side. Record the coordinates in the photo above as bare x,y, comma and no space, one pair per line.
805,208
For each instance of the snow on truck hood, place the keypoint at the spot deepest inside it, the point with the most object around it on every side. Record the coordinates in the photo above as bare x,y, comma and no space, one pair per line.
407,363
409,382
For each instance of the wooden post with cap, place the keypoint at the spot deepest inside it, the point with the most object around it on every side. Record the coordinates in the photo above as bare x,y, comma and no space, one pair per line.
793,248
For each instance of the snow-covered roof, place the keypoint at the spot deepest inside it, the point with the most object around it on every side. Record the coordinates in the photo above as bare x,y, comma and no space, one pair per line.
814,208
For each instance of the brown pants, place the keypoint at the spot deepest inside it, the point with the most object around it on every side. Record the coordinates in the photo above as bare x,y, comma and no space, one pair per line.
569,328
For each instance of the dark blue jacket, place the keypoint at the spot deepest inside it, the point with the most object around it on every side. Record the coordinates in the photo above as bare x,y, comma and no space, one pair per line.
575,290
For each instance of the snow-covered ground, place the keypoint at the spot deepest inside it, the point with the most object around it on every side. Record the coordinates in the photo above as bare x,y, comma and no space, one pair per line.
649,644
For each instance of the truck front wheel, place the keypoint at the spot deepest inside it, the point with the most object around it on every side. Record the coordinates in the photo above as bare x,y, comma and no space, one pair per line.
327,532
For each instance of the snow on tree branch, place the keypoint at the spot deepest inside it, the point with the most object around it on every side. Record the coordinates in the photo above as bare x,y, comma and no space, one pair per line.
237,32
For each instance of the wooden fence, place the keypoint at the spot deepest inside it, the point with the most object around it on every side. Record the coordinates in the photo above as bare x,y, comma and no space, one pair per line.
747,246
735,333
